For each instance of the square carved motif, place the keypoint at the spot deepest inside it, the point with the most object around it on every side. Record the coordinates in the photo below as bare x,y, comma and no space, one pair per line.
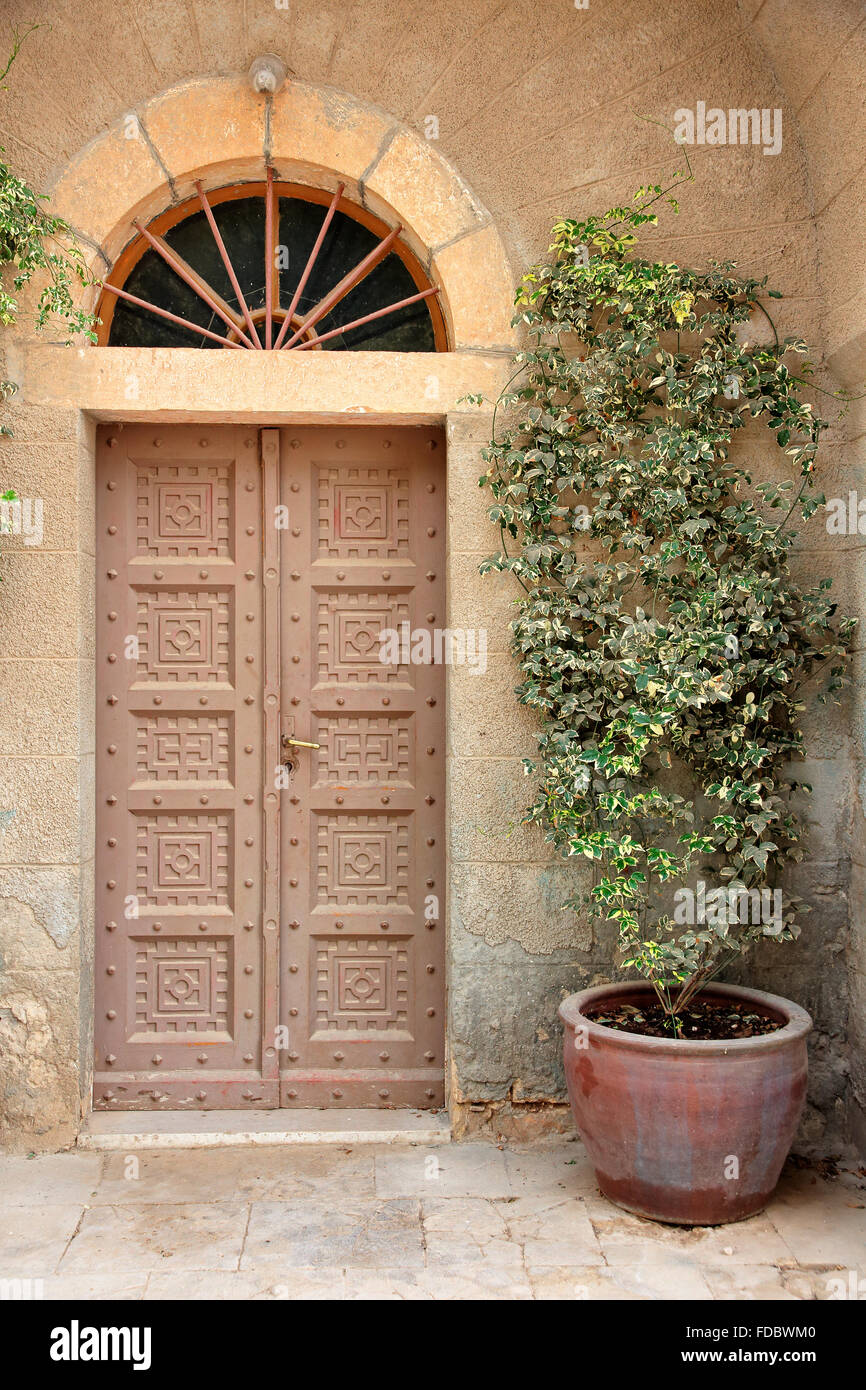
182,860
361,750
350,626
362,860
183,748
184,636
184,509
183,986
361,985
363,513
184,512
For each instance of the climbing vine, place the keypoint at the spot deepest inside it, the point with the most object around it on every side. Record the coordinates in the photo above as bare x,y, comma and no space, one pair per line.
661,636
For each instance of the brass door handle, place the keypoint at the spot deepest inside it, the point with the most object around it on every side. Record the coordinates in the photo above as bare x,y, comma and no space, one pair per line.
298,743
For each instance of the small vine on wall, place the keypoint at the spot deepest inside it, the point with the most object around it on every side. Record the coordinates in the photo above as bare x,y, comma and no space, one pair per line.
33,243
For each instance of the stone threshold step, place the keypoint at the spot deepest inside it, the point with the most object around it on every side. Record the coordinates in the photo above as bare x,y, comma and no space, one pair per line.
217,1129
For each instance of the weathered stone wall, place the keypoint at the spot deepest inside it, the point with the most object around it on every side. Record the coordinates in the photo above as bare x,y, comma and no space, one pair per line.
46,769
818,55
536,108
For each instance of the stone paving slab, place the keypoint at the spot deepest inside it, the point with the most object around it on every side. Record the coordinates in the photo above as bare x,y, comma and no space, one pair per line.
565,1169
461,1170
217,1175
447,1253
94,1288
823,1223
381,1222
268,1284
471,1218
33,1239
653,1272
581,1284
191,1236
750,1283
755,1241
54,1178
553,1230
475,1283
333,1231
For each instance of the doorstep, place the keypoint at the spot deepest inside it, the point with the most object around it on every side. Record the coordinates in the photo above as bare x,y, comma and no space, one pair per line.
216,1129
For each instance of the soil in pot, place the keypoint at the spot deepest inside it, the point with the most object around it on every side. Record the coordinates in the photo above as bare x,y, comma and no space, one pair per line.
703,1019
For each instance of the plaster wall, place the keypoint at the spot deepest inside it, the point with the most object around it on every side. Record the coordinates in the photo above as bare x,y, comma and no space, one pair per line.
537,110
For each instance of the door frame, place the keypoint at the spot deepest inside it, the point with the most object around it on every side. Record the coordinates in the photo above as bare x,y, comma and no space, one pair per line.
75,391
477,428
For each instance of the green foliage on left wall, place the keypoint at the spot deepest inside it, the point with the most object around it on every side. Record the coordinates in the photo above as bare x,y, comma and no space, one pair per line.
33,243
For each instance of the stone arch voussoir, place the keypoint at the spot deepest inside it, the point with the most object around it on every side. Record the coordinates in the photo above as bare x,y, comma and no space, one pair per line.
219,131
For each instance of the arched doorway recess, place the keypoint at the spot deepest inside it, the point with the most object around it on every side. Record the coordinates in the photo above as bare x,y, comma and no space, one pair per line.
144,175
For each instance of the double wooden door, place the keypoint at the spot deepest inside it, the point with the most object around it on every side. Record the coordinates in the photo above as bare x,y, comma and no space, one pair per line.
270,768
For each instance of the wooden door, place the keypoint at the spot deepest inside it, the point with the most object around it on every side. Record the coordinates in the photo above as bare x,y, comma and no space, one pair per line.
268,935
362,860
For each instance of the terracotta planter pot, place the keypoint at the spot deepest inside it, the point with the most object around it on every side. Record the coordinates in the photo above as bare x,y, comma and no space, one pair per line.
688,1132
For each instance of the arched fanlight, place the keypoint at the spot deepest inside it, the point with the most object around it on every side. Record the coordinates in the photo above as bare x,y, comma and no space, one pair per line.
263,268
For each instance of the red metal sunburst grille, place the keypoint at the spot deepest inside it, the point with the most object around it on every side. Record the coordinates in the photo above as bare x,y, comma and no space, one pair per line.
242,330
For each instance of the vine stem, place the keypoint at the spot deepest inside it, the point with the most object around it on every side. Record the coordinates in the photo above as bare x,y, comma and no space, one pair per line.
17,40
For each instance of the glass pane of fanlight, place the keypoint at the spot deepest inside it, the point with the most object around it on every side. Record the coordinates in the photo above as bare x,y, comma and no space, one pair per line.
241,222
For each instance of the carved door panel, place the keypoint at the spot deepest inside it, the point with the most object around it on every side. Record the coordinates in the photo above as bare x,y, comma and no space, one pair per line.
186,692
362,822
